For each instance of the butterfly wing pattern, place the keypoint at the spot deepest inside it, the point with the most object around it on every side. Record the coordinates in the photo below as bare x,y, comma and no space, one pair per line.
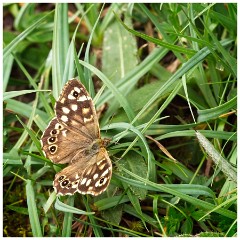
73,137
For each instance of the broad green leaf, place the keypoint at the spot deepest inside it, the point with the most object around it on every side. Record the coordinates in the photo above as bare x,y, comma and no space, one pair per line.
119,51
114,214
136,164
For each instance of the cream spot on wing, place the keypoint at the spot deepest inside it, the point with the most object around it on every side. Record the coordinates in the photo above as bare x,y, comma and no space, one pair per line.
90,188
64,133
64,118
58,126
83,98
99,162
77,89
105,172
83,181
89,171
62,100
95,176
74,107
69,194
85,111
102,166
88,119
71,97
75,184
88,182
65,110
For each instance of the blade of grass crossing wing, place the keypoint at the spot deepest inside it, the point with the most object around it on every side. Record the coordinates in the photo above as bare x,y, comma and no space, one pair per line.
118,95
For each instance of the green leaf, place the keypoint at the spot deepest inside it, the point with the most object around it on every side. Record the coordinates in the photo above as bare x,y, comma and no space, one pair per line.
23,109
136,164
12,158
20,210
114,214
119,51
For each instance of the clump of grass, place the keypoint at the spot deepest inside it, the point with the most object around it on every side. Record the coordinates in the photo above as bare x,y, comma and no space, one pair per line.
157,73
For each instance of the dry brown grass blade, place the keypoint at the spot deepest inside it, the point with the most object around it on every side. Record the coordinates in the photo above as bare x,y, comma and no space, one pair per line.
162,148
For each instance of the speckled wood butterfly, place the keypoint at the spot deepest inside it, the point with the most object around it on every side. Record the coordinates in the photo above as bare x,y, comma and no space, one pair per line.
73,137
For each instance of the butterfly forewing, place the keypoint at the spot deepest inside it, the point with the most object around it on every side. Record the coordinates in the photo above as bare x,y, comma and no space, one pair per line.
73,137
61,145
75,110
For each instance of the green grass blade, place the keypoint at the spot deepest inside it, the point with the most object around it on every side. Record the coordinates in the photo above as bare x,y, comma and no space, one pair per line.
33,210
212,113
118,95
12,94
12,45
60,47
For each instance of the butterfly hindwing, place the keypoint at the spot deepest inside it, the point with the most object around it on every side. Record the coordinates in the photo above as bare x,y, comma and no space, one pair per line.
93,180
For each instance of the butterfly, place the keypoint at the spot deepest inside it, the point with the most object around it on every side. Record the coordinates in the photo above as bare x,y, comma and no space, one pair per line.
73,137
